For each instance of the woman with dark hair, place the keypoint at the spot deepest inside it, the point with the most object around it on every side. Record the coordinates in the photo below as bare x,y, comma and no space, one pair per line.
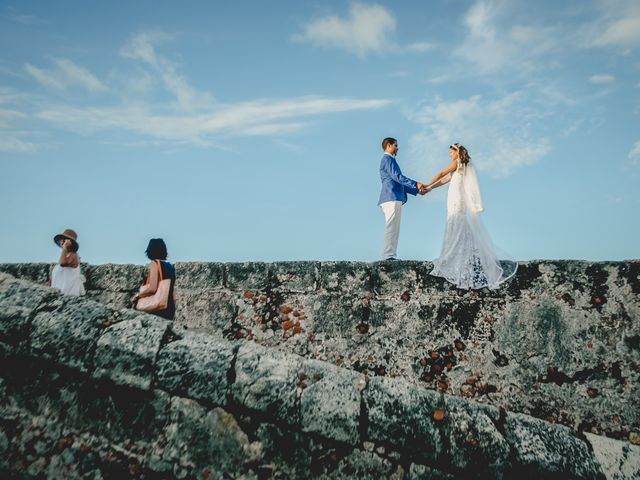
159,270
468,258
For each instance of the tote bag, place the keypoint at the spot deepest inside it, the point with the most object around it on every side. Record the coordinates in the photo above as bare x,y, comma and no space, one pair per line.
160,299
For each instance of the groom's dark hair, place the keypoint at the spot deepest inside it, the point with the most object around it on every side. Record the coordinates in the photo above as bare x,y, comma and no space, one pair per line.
388,141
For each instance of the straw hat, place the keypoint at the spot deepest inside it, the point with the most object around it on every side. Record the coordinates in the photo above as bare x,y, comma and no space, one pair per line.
69,235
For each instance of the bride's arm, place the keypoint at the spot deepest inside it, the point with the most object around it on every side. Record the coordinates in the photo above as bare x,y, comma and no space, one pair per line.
443,177
439,183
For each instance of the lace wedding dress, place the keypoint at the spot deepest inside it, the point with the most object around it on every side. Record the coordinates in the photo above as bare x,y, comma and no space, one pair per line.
468,258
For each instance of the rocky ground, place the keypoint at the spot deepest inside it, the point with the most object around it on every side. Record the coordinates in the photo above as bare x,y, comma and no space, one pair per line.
560,343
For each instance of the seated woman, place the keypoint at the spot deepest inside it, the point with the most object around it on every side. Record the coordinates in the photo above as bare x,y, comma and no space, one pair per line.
66,275
159,269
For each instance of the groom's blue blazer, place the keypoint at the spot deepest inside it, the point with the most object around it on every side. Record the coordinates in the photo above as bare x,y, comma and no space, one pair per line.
395,186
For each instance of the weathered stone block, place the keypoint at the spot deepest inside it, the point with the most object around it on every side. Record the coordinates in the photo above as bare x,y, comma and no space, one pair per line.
126,352
199,275
206,310
542,450
422,472
114,299
476,446
398,277
330,400
196,366
33,272
617,459
247,276
362,465
295,276
338,314
400,414
351,277
266,381
69,331
114,277
201,440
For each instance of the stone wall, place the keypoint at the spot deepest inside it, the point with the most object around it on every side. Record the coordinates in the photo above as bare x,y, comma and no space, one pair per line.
560,341
89,391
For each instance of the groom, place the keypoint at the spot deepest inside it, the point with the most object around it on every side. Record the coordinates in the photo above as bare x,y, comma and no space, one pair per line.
393,195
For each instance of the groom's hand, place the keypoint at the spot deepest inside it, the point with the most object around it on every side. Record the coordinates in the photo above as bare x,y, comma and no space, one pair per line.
422,188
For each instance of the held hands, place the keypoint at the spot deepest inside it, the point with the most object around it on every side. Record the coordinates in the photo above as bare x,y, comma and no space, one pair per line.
423,189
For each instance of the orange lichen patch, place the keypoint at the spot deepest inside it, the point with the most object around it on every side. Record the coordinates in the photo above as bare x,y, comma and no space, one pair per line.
248,294
296,313
286,309
433,354
297,329
459,345
287,325
438,415
471,381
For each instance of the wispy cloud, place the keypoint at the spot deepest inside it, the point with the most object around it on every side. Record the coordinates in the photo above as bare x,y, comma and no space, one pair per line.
259,117
617,25
634,154
10,143
65,74
602,79
189,116
12,137
142,47
368,29
23,18
494,41
495,131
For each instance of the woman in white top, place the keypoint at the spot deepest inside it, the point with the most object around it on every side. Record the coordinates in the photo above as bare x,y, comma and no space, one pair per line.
468,258
66,275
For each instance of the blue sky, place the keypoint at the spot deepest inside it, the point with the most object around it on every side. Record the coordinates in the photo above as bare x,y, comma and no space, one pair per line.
251,130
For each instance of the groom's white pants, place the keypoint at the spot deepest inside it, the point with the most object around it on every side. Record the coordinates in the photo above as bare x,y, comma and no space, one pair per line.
392,214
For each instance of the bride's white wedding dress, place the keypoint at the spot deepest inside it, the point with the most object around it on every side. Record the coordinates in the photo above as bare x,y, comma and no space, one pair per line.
468,258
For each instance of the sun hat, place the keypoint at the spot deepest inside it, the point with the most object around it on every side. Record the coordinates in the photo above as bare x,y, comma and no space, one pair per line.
69,235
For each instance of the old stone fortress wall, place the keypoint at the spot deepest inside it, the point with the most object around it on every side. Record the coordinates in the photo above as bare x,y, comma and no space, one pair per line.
323,370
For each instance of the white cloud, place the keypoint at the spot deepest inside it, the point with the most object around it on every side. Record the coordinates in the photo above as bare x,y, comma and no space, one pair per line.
624,32
142,48
617,24
66,74
368,29
634,154
7,117
496,133
259,117
602,79
9,143
493,41
193,117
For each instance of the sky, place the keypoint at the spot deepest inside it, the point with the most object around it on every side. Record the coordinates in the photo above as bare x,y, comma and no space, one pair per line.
251,131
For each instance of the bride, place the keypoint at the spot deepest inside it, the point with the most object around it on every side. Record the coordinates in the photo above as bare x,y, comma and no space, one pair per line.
468,258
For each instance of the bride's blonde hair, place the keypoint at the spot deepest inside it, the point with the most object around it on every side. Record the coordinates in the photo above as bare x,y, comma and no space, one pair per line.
462,151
